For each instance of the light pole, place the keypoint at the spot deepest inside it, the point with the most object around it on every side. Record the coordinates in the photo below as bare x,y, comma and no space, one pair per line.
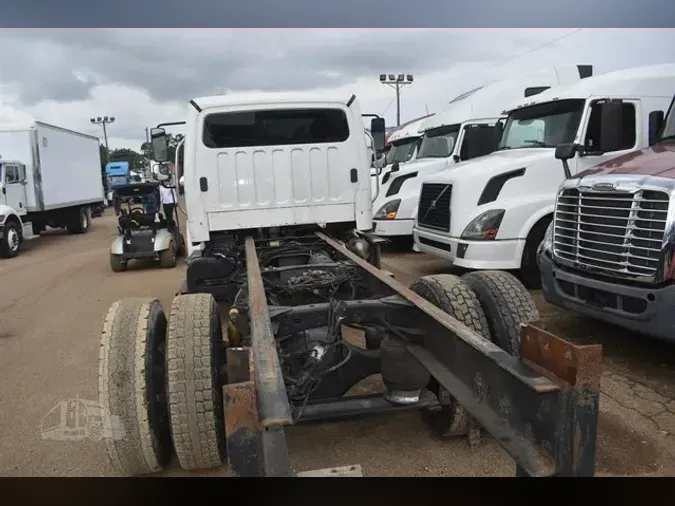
397,82
105,120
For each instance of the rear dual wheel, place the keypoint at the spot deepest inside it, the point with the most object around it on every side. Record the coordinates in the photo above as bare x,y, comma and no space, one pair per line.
493,304
159,387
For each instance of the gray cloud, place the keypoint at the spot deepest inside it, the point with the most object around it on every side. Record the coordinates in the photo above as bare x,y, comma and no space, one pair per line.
180,64
174,65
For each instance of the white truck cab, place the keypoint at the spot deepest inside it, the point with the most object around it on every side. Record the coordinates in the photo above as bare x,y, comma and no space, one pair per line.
492,212
274,160
469,128
405,142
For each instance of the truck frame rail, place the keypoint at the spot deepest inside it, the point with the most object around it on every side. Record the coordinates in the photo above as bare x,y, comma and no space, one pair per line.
540,406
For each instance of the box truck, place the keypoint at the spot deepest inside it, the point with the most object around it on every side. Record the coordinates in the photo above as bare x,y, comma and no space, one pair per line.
49,177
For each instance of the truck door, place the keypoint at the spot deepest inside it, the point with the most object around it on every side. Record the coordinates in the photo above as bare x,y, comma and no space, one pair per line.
14,186
630,135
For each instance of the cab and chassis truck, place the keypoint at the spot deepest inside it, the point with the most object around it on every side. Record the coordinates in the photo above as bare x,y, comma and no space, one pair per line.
281,261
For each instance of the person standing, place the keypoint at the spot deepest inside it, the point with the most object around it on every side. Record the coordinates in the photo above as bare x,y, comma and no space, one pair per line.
168,204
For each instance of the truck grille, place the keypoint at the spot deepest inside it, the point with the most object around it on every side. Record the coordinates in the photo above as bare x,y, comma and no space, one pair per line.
617,232
434,207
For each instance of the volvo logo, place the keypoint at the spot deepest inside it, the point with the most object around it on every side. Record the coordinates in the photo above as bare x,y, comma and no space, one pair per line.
433,204
603,186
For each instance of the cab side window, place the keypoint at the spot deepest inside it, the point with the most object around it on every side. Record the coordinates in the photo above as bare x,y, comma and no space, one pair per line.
628,128
12,174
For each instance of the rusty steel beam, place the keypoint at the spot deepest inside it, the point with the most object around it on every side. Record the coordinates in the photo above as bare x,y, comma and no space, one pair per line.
273,406
578,369
252,450
471,337
541,408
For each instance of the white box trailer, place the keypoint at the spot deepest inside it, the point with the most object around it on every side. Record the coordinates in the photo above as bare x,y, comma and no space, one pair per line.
49,177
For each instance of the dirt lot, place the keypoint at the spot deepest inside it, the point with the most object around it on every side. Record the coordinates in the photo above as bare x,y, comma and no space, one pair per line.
56,293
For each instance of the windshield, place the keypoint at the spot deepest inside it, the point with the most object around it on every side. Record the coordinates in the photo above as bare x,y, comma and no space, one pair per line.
439,142
668,131
402,151
542,126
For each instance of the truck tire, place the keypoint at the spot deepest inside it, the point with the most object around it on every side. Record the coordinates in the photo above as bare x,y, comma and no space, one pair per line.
168,257
450,294
132,390
506,304
117,264
195,354
12,238
80,222
529,270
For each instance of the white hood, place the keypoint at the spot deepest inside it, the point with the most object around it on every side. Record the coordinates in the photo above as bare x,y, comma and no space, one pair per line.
493,164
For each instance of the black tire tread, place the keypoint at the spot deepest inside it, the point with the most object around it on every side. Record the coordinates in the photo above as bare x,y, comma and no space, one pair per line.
194,399
5,251
123,385
456,299
506,302
117,264
168,257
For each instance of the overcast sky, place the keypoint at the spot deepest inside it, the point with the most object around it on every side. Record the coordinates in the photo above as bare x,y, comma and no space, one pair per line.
144,77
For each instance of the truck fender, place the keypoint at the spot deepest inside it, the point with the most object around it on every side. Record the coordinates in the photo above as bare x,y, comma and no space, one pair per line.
534,219
10,213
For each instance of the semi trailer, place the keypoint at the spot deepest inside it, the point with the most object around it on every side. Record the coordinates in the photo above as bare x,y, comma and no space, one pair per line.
282,267
49,177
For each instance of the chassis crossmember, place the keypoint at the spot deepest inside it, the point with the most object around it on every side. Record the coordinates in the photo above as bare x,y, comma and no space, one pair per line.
541,406
212,382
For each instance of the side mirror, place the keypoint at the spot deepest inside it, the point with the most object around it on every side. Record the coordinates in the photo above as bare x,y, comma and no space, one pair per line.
377,131
565,152
498,131
656,119
610,126
479,141
160,147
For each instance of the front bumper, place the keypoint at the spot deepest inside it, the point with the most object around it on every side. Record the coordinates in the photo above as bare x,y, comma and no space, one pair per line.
393,228
645,310
500,254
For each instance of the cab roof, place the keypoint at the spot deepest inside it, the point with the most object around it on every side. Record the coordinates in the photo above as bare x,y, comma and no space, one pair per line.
257,98
645,81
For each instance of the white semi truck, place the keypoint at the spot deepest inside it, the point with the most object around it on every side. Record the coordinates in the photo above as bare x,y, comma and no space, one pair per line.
467,129
493,212
49,177
278,197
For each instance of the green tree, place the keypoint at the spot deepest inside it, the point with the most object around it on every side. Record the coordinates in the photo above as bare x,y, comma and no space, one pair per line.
136,160
172,141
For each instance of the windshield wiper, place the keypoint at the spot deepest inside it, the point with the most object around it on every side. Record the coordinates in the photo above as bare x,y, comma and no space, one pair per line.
501,148
537,143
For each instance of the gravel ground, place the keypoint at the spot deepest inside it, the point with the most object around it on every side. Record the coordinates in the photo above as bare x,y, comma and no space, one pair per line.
51,311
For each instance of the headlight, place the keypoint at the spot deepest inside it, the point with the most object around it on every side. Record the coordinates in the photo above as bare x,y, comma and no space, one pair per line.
547,242
2,218
485,226
388,211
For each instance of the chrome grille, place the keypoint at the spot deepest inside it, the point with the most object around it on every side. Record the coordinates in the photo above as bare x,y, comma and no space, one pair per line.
617,232
433,210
